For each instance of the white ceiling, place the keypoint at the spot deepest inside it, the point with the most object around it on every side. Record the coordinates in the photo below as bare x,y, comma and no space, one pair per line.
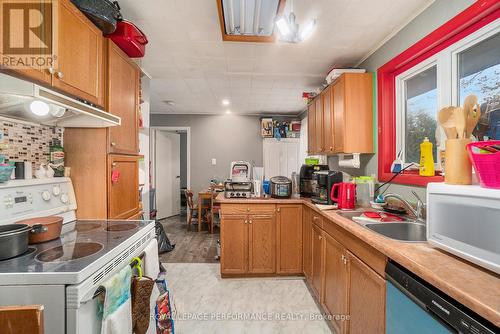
189,63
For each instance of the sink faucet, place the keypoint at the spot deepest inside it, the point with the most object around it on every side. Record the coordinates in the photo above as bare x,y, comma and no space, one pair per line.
418,212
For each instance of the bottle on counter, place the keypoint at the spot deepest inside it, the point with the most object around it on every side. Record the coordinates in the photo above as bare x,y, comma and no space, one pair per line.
57,158
426,158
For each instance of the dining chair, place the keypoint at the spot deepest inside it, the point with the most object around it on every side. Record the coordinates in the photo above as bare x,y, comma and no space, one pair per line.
214,210
21,319
193,208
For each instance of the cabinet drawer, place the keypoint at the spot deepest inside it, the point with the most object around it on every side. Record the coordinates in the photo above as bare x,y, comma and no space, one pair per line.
253,209
317,219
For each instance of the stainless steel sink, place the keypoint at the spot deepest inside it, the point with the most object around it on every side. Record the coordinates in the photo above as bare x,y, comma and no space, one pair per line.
400,231
407,230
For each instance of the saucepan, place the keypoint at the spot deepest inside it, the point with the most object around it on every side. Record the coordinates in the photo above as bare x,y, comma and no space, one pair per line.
13,240
43,228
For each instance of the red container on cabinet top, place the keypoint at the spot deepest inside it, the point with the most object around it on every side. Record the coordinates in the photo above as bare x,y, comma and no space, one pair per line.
130,39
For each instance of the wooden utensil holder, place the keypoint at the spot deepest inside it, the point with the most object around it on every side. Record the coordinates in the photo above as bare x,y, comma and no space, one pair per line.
458,168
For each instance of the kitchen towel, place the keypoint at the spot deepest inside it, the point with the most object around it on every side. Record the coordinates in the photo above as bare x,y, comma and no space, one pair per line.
150,264
115,307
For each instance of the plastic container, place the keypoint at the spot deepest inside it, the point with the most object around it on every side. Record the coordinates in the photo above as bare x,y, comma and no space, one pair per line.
426,158
5,173
365,190
486,165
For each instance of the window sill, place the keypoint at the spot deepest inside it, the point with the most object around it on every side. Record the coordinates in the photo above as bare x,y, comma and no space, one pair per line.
410,179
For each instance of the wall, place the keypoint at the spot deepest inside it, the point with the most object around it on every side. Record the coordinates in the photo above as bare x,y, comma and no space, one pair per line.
183,162
224,137
144,144
27,141
433,17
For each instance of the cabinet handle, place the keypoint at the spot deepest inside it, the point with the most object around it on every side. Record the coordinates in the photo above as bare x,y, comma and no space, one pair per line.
51,70
113,143
315,218
250,221
60,74
114,164
248,209
279,210
246,221
331,148
320,237
344,259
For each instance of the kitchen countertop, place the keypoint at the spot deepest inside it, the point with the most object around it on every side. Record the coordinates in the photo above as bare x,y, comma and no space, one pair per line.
474,287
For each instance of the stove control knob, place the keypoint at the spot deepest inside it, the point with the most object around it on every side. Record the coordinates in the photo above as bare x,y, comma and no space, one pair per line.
64,198
56,190
46,195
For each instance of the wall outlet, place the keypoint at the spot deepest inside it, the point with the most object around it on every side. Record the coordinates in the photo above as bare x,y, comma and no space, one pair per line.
214,161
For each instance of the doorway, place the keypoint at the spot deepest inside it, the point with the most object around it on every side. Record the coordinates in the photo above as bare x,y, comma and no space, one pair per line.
170,169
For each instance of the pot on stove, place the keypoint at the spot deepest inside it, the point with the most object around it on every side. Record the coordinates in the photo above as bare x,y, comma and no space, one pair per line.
13,240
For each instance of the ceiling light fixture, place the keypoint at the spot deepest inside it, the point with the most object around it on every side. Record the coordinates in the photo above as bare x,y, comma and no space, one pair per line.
228,112
289,29
225,102
169,102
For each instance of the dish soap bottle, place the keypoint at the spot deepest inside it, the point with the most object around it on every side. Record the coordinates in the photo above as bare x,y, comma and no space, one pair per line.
57,158
426,158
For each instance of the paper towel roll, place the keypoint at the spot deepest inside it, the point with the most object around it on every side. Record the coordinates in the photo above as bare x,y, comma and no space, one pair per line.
353,162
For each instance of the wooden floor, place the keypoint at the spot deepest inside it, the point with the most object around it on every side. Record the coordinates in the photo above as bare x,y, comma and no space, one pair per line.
190,246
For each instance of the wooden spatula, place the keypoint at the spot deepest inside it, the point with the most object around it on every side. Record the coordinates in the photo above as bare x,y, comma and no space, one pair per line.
460,121
447,120
473,112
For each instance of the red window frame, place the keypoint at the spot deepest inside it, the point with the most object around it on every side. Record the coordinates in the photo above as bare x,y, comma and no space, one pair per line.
465,23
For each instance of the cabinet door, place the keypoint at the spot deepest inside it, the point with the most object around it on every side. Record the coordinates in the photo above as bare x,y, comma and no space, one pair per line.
79,67
326,96
123,186
289,238
311,128
366,298
123,101
34,72
317,260
262,244
306,237
338,115
335,281
319,125
234,244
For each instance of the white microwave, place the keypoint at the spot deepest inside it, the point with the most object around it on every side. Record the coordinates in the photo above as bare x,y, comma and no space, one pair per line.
465,221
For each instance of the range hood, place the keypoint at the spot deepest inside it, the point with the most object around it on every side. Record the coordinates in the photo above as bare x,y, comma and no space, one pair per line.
26,101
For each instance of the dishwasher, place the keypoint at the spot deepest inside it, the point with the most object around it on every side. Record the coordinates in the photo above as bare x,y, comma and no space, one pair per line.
415,307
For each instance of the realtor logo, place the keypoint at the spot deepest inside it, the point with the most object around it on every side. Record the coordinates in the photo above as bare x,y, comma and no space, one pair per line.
27,33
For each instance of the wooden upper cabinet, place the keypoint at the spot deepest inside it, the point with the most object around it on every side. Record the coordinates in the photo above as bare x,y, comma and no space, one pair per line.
79,67
319,125
326,97
123,186
353,113
261,244
366,298
289,226
335,287
234,244
306,242
311,128
317,261
123,100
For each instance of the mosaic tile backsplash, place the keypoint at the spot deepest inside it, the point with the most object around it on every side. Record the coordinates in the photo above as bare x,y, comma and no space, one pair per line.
26,142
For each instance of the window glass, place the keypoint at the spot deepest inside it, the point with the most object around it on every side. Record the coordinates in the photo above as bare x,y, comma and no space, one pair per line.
479,74
420,112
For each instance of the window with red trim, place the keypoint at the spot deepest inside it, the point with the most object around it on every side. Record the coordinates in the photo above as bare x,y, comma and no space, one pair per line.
406,79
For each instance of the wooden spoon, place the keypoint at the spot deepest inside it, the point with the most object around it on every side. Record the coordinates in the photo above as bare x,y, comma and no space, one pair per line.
460,121
473,112
447,120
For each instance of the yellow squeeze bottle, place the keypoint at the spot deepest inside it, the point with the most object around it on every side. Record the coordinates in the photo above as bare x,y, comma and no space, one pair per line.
426,158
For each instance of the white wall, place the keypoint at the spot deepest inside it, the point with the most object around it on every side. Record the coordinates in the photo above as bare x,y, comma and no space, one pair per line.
144,145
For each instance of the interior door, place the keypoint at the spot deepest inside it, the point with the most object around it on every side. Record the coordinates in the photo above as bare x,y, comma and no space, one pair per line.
167,171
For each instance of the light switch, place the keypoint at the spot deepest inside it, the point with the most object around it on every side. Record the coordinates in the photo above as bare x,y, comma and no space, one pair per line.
214,161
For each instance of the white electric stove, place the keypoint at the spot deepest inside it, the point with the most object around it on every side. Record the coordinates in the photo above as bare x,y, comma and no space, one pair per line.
64,274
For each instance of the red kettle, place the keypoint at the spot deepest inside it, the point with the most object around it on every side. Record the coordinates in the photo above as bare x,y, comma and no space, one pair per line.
346,195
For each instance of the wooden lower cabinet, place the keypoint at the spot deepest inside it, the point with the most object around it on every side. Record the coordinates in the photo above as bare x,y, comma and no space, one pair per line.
248,244
234,244
335,285
306,243
318,252
289,239
123,194
261,244
366,298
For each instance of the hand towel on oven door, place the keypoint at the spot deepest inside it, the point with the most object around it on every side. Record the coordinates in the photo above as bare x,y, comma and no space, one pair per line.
115,304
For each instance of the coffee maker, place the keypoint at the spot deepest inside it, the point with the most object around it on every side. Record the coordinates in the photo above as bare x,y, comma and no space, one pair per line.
306,178
324,181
